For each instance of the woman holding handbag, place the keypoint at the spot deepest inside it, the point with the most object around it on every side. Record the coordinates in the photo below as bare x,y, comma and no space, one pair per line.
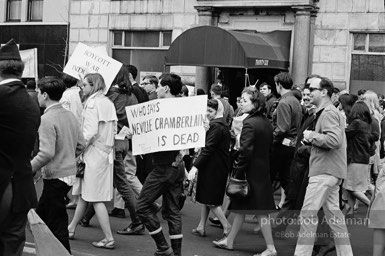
253,163
99,124
213,167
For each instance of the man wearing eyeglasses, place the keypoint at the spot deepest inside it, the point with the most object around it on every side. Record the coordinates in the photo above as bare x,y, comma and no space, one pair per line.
327,169
150,83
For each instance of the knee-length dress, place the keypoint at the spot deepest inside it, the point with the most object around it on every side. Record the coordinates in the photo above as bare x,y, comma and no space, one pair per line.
213,164
98,119
253,160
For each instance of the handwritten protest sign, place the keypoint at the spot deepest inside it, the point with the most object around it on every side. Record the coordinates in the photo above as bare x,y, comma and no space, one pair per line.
167,124
86,60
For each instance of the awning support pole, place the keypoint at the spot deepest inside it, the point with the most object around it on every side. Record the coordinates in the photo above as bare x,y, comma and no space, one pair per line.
246,77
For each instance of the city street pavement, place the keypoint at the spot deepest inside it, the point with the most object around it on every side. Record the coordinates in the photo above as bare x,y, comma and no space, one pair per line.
247,242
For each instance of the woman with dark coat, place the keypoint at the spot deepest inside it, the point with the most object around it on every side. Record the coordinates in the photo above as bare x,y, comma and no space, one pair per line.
253,161
358,135
213,167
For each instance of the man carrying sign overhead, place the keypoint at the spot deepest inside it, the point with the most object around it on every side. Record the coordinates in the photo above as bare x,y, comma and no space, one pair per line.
165,180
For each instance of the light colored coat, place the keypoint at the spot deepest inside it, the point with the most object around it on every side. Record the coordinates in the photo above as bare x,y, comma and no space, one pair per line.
98,119
71,101
328,153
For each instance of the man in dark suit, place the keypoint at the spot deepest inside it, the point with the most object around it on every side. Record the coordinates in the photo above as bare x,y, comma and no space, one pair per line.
19,122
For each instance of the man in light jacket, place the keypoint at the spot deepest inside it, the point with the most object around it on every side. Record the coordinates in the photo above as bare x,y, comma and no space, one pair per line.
327,169
61,139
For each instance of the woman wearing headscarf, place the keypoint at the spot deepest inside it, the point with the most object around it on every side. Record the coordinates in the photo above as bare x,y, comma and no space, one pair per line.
213,168
253,163
99,124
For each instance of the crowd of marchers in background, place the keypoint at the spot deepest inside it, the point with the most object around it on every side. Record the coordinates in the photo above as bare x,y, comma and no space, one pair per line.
320,148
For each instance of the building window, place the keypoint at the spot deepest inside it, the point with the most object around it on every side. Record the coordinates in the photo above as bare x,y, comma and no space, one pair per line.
35,10
143,39
13,10
368,62
144,49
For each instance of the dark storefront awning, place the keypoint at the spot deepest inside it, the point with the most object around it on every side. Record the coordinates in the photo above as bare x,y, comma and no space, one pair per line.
210,46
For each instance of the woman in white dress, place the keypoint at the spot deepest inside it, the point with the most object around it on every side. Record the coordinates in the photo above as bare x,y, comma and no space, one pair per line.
99,124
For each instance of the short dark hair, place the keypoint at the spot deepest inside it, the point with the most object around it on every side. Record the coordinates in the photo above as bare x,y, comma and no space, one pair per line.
152,79
311,76
360,110
212,104
382,103
31,84
200,91
360,92
297,93
327,84
184,91
284,79
68,80
263,84
132,70
216,89
53,86
11,67
336,90
173,81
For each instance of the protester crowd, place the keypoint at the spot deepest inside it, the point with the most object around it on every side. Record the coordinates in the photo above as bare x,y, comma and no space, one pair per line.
323,147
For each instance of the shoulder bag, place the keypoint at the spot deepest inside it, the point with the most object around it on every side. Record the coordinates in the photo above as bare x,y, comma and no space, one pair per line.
237,188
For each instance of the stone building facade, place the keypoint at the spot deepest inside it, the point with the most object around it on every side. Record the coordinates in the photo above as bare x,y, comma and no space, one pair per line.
41,24
323,31
349,43
340,39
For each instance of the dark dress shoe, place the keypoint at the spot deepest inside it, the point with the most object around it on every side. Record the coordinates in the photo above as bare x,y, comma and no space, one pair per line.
116,212
167,252
84,223
133,230
324,250
216,222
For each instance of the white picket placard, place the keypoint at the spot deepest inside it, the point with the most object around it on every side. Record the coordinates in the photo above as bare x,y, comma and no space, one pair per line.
168,124
86,60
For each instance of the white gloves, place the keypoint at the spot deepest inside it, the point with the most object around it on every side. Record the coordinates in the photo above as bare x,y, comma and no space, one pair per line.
191,174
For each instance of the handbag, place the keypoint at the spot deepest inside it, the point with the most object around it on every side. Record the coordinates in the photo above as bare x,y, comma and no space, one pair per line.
237,188
80,164
80,167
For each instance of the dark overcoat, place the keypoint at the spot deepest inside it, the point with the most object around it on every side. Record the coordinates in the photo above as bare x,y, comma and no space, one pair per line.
253,160
213,164
19,123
